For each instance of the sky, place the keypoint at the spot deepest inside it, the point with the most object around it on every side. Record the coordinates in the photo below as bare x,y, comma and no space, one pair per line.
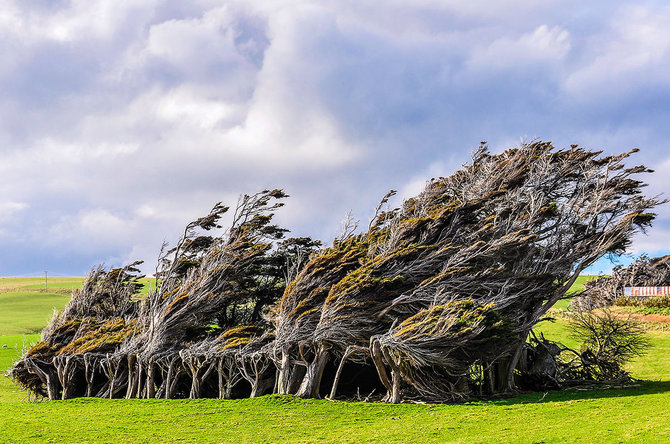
123,120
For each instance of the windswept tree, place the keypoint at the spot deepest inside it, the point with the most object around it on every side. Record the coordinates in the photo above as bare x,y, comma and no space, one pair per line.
434,301
211,294
477,258
96,321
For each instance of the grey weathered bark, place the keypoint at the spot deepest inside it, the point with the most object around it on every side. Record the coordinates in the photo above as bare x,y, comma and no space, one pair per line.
312,379
151,379
90,363
378,359
284,377
47,378
65,366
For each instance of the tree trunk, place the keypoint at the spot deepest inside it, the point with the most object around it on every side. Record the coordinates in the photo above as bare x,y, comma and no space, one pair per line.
168,379
151,379
112,380
116,378
490,378
52,386
378,359
232,376
350,351
132,376
284,379
297,375
171,378
219,369
47,379
395,390
395,395
89,373
195,387
338,373
501,375
65,369
510,385
199,376
312,380
140,379
257,387
228,393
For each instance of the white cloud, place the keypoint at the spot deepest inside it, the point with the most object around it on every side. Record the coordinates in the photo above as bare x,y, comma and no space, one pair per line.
185,107
417,183
183,42
9,208
99,221
631,55
542,45
90,228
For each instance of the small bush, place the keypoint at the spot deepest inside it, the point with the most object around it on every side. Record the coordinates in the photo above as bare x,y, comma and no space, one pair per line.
608,343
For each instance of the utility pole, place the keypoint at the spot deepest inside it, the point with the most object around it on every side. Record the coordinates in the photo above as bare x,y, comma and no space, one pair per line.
46,281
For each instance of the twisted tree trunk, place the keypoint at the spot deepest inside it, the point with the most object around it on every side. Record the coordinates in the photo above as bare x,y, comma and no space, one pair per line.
90,362
378,360
47,377
284,378
65,367
312,380
133,377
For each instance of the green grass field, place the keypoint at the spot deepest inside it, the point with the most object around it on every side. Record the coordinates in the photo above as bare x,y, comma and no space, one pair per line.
578,286
25,307
634,414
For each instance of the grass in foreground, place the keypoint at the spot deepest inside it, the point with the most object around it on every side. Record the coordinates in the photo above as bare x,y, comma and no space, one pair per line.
590,416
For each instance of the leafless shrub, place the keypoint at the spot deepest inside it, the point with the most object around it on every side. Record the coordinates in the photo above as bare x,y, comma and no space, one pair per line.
608,343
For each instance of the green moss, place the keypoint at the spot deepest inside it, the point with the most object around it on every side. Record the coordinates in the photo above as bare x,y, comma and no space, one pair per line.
40,349
100,337
550,209
458,317
238,336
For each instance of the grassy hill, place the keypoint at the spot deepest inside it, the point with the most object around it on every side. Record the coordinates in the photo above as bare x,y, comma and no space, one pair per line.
637,413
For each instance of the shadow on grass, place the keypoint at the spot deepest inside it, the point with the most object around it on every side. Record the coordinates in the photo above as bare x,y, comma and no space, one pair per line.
605,391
